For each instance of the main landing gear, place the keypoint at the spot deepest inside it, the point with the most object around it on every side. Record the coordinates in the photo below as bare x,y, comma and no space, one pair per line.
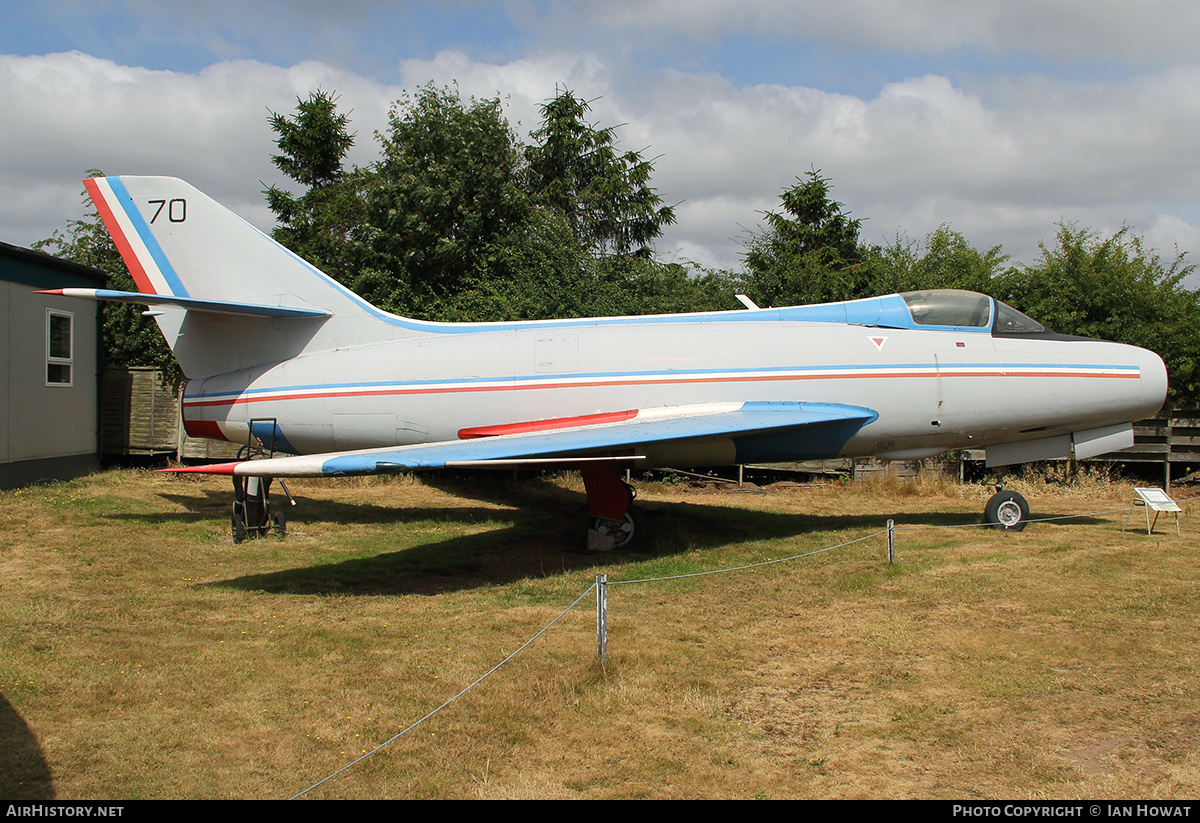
614,522
1006,510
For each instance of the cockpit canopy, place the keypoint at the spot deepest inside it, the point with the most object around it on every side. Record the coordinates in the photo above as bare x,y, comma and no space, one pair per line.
968,310
936,309
949,307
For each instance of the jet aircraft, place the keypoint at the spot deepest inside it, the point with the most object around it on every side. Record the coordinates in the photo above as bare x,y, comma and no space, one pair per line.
276,351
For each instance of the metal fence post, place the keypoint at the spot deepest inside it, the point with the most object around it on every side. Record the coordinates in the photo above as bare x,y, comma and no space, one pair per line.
602,617
891,541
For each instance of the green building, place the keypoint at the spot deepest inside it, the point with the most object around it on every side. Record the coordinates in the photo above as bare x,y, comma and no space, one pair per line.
50,361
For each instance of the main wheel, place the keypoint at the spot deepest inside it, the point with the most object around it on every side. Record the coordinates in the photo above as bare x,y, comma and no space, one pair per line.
628,534
1007,511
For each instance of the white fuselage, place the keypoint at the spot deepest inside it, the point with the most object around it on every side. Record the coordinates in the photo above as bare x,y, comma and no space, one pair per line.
933,390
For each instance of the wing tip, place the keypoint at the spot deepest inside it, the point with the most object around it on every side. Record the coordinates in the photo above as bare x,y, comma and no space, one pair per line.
211,468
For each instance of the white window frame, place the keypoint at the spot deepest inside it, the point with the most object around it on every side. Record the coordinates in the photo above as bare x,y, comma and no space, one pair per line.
51,359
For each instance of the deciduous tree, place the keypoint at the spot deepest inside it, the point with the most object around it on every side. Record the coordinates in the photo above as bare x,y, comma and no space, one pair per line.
944,261
445,195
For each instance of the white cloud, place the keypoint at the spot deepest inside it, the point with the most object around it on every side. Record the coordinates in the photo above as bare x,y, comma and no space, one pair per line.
1001,163
74,112
1153,32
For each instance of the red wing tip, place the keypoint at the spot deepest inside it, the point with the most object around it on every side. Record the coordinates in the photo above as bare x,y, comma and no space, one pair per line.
49,291
216,468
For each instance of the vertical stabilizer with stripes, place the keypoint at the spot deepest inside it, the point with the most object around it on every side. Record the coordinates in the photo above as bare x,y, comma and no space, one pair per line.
179,243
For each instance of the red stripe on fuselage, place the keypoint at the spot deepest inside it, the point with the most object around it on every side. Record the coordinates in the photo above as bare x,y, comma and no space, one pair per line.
114,230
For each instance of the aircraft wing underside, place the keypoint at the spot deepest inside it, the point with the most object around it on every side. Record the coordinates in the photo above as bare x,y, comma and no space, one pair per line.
757,430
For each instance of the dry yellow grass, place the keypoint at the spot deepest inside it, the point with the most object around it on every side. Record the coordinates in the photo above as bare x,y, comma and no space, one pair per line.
143,655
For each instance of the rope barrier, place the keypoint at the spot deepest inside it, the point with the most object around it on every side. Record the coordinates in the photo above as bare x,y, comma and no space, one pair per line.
745,567
475,683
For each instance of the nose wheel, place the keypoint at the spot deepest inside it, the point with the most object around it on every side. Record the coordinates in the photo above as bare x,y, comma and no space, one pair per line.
1007,511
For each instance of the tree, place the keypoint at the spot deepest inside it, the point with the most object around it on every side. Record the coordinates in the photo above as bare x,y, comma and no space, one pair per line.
1114,289
130,338
535,274
575,168
318,224
445,194
314,142
948,261
808,254
458,220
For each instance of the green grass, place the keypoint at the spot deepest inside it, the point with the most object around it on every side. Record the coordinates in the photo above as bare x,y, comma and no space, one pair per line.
143,655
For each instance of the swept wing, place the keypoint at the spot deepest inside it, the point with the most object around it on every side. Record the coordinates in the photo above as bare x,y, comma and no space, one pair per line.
817,428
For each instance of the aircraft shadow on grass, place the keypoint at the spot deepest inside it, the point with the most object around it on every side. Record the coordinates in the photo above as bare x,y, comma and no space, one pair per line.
532,537
218,506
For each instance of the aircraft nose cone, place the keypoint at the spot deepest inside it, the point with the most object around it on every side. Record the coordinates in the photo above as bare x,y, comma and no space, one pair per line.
1153,381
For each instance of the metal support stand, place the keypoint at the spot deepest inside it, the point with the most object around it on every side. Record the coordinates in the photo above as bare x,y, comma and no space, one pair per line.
1158,501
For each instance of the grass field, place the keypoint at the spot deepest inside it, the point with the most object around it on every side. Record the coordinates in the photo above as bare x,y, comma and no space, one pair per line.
143,655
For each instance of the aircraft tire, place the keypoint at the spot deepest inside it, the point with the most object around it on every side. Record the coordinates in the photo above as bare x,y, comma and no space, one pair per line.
632,534
279,522
1007,511
605,535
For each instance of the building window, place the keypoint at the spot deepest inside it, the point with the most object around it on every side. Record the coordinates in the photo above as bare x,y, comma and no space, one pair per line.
59,347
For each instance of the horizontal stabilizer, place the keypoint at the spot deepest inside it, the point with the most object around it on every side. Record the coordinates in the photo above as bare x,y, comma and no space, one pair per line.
738,422
210,468
189,303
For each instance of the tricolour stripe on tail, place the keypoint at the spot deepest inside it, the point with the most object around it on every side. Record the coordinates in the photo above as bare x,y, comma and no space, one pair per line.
144,257
226,296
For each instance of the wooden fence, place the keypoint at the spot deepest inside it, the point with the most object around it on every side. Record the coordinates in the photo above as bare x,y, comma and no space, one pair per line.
139,415
1171,438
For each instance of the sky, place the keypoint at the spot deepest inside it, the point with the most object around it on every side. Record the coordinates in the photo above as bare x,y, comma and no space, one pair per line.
998,118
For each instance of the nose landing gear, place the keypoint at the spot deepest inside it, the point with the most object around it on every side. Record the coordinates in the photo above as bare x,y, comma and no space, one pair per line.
1006,510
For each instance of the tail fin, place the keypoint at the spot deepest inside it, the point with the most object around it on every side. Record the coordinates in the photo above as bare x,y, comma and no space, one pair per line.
179,243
